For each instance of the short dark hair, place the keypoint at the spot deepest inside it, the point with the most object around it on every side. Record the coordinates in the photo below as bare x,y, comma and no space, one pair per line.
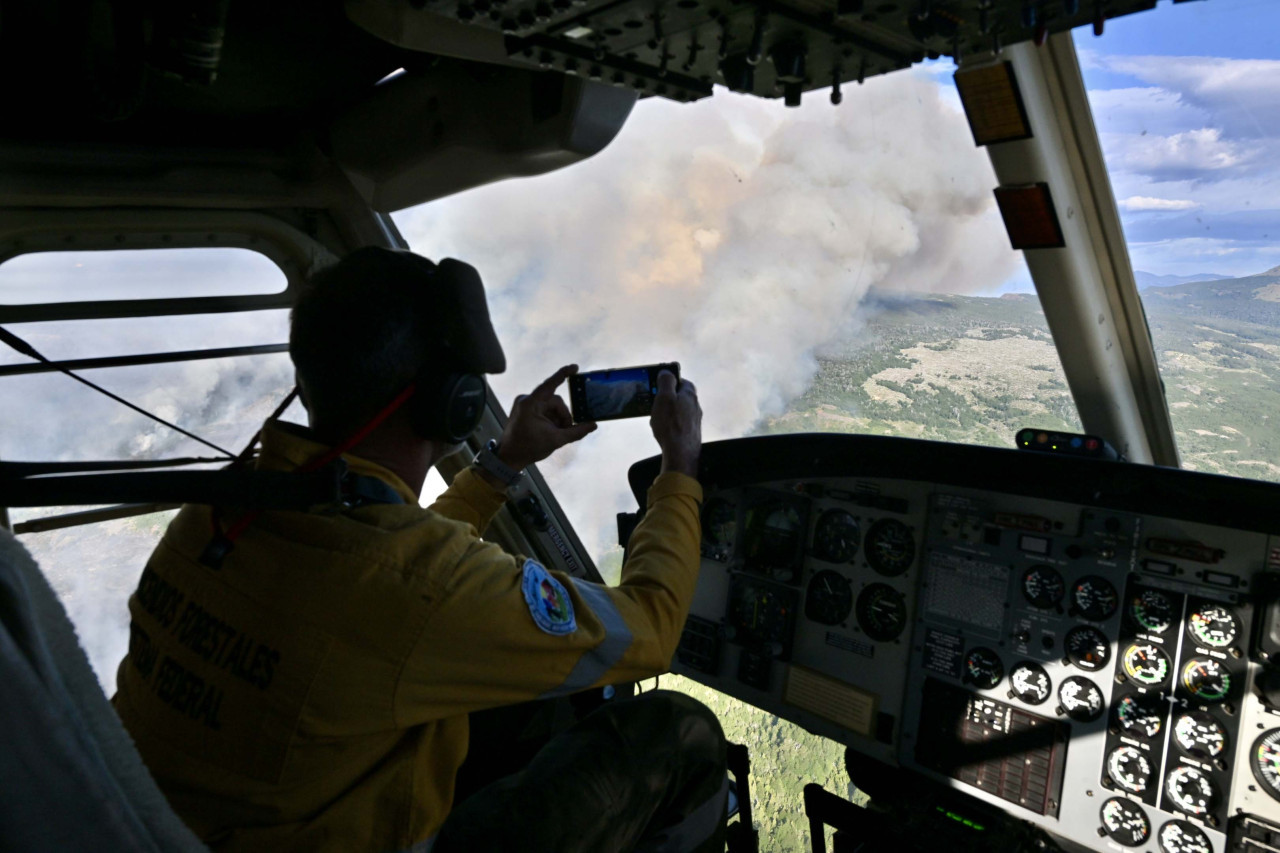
359,332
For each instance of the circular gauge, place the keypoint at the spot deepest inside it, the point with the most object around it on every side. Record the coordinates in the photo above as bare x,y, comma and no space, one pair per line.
829,600
889,546
1094,598
835,539
1200,735
1191,790
1266,762
1043,587
719,527
1125,822
882,612
1213,625
759,612
1179,836
1146,664
1080,698
1129,768
1031,683
1152,610
983,668
1140,716
1206,679
1087,648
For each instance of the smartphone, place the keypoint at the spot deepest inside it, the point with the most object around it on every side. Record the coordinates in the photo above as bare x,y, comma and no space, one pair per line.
619,392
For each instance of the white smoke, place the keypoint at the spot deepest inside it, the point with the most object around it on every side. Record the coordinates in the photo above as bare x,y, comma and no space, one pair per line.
733,236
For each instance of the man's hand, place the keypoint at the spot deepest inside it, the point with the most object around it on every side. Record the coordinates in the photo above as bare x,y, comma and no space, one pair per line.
540,424
677,424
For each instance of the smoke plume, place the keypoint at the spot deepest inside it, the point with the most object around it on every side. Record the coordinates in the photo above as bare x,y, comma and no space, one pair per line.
733,236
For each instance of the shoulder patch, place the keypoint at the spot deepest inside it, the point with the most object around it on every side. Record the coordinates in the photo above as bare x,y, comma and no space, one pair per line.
548,600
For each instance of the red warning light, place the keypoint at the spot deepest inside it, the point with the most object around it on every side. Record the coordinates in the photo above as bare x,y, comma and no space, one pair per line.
1091,444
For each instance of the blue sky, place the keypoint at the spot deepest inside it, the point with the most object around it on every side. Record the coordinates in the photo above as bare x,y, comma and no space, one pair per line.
1186,99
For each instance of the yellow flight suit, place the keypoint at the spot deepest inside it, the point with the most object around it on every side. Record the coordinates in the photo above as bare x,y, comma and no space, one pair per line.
312,693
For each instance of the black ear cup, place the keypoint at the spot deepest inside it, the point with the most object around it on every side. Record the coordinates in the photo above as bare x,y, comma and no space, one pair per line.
447,408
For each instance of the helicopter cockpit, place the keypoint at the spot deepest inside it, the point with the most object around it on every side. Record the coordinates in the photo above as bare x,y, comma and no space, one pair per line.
1067,643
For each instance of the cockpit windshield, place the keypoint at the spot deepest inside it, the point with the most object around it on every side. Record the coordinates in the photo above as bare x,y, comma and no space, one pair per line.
813,269
1187,106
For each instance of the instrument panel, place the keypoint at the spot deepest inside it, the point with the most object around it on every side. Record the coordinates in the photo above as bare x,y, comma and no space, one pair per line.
1074,641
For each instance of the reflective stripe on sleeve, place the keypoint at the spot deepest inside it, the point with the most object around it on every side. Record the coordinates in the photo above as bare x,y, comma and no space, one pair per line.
594,663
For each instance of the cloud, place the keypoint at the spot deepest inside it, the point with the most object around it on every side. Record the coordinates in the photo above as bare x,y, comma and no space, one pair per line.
1180,156
1243,95
732,236
1140,203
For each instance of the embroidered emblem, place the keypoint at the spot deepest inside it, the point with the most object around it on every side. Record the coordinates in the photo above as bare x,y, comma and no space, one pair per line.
549,602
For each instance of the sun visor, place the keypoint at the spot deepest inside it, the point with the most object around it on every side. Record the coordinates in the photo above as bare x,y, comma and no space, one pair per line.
469,332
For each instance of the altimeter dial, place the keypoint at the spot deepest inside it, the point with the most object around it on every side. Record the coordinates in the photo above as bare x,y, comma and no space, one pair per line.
890,547
1080,698
1125,822
882,612
1140,716
1146,663
1180,836
1199,734
1152,610
1129,769
1213,625
1206,679
1191,790
836,537
1031,683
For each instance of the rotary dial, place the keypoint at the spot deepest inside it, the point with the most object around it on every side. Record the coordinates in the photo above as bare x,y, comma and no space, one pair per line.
1179,836
983,668
889,546
1125,822
835,539
1043,587
1087,648
1129,768
1191,790
882,612
1094,598
1206,679
1213,625
1266,762
1080,698
1200,735
1140,716
1152,610
1031,683
1146,664
829,599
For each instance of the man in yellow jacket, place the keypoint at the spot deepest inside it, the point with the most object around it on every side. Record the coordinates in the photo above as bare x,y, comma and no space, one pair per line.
301,681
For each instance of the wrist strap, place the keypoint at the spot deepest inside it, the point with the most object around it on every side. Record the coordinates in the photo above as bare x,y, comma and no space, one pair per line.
488,459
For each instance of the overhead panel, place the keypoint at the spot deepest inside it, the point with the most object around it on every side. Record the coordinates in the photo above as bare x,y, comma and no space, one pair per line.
679,49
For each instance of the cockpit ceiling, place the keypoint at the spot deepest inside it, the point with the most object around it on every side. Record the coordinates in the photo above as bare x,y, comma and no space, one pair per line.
679,49
183,70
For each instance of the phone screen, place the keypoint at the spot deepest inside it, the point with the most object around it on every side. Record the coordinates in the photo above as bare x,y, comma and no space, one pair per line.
623,392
